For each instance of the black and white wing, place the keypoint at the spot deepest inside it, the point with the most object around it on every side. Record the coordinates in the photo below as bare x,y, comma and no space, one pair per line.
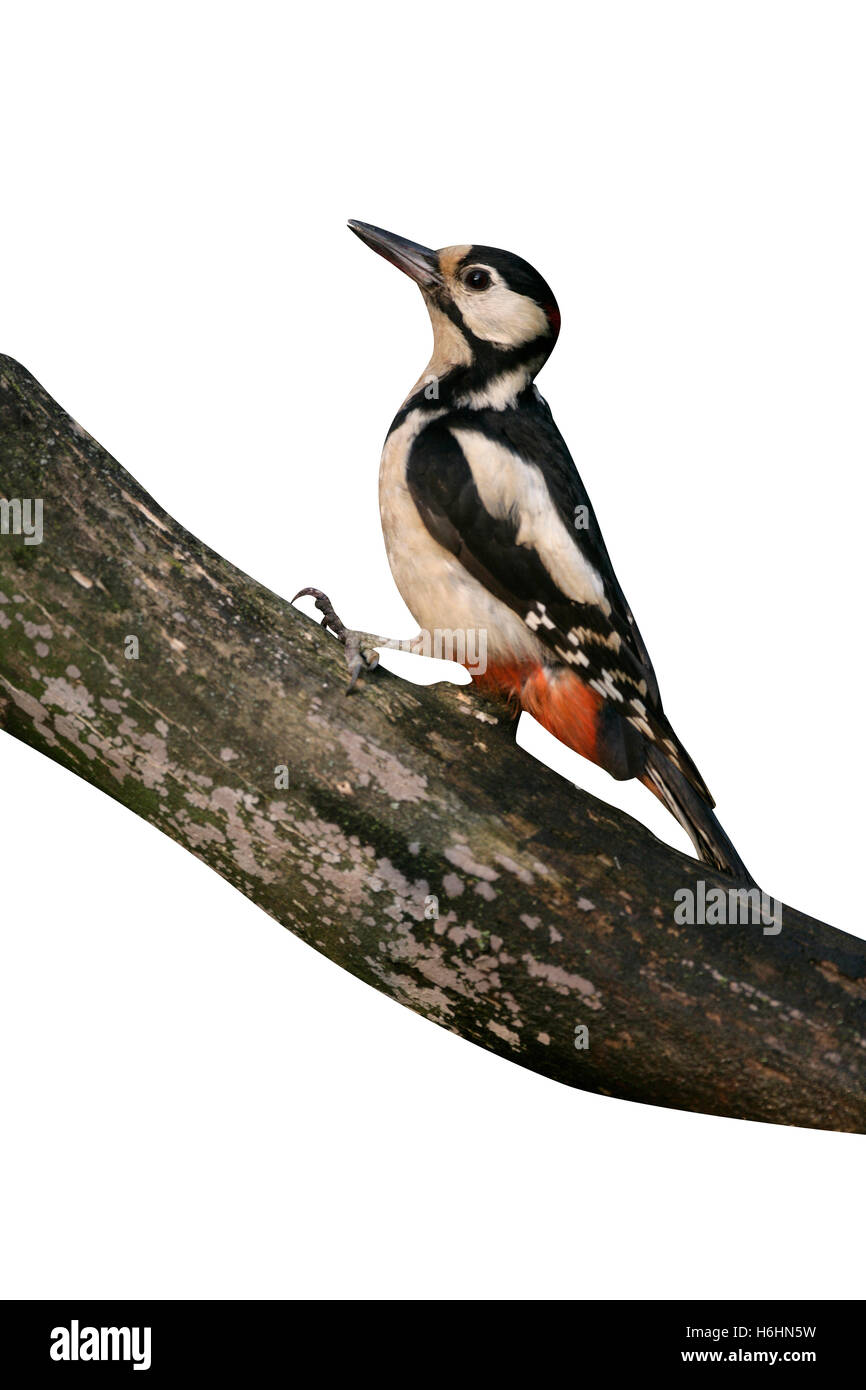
500,491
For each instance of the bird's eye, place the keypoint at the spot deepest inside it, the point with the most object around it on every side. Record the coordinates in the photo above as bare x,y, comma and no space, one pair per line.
476,279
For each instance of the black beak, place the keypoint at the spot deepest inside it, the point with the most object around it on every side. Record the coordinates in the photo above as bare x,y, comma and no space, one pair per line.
418,262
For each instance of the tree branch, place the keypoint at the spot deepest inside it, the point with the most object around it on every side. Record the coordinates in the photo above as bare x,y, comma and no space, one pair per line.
554,909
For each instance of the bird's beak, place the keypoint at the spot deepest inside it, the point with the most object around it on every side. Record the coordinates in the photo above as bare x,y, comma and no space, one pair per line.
418,262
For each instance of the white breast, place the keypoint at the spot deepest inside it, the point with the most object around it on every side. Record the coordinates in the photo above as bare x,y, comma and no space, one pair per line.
438,591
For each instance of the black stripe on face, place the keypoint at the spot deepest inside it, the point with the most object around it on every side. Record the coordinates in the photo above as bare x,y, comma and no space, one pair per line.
519,276
491,359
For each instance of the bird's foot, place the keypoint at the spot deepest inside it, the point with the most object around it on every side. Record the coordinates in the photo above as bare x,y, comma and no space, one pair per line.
360,647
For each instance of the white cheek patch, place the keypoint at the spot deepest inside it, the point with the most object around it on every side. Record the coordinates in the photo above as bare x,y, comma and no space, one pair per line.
500,315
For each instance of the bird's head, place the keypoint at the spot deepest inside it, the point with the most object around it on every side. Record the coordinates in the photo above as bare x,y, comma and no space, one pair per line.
493,315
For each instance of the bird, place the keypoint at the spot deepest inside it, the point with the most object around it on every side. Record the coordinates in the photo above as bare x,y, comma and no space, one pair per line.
488,528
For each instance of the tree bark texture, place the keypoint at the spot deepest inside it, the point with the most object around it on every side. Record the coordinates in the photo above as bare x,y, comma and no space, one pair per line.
555,912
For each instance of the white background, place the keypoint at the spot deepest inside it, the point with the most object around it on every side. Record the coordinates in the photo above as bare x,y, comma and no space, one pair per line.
194,1103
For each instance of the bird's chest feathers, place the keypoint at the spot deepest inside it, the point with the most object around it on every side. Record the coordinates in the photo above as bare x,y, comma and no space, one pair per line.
424,572
435,586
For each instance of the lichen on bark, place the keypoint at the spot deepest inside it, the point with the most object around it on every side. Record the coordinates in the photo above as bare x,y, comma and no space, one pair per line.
416,845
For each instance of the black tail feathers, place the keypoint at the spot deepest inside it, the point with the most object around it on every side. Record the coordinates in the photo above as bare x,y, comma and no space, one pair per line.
695,816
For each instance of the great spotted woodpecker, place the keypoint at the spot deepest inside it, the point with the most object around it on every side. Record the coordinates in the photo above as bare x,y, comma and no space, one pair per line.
489,528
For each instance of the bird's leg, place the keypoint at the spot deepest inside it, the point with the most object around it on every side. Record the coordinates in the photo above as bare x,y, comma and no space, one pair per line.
360,647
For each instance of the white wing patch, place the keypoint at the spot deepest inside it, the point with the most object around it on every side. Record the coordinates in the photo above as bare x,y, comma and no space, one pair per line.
507,486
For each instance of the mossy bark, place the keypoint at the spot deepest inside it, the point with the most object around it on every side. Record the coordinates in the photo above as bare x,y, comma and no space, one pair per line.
554,910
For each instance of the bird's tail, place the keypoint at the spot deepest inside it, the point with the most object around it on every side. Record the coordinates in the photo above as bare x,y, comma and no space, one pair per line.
695,815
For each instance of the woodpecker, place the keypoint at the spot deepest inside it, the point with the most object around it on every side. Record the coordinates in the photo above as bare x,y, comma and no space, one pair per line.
488,527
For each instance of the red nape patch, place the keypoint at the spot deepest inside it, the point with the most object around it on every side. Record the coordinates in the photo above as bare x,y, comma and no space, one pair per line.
559,700
554,318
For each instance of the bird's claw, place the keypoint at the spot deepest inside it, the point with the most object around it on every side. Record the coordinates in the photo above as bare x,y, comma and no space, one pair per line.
359,658
326,608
